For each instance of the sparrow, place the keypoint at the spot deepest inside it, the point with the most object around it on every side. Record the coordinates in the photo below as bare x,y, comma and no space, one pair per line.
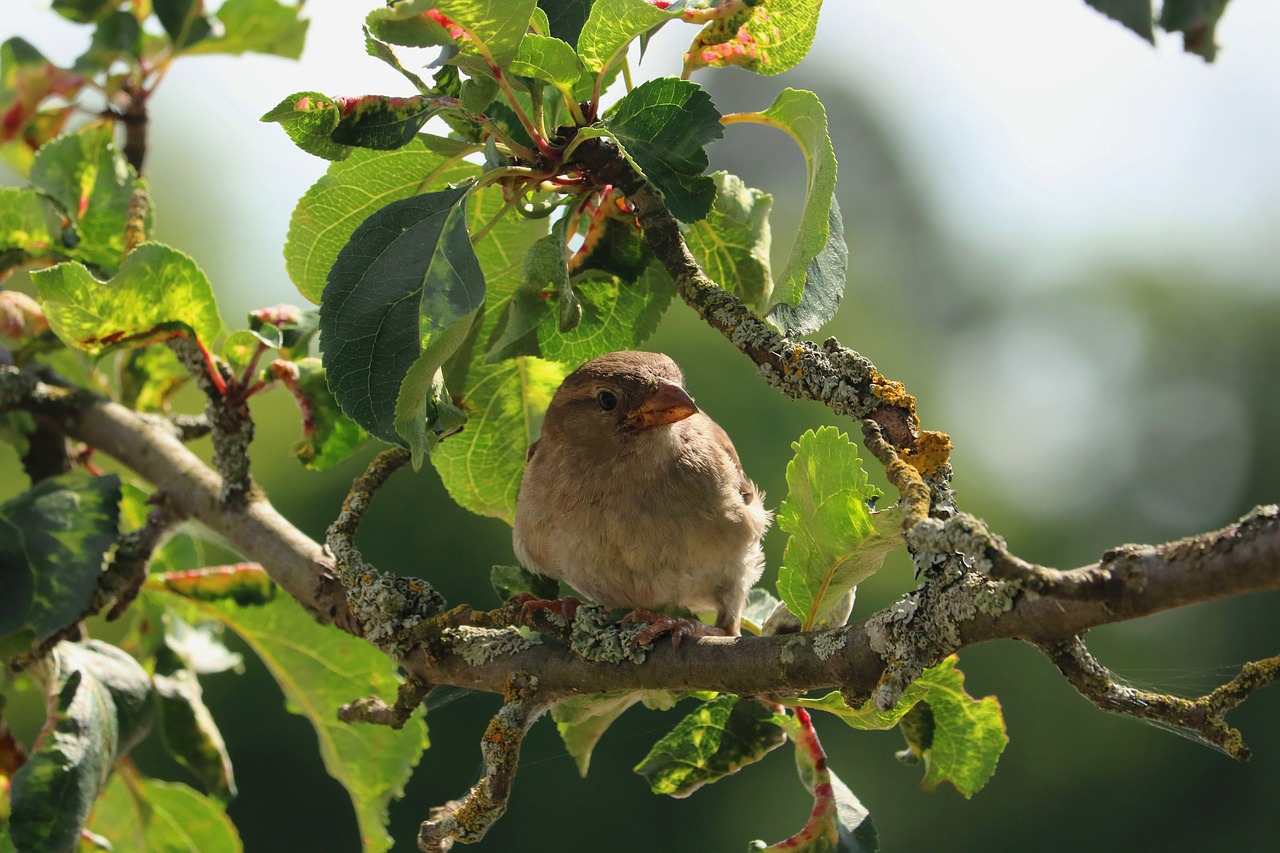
637,499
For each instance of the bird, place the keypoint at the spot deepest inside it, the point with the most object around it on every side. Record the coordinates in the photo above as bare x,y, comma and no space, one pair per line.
635,498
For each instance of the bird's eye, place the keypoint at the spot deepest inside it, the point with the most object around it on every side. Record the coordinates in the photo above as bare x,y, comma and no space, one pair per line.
607,400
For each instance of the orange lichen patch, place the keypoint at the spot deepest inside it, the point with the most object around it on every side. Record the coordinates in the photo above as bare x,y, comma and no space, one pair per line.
931,452
893,393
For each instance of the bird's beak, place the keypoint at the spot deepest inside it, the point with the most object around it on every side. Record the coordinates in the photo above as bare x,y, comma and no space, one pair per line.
667,404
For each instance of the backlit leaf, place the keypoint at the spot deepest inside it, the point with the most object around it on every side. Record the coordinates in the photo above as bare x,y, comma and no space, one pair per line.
89,179
319,669
25,222
150,816
732,243
352,190
767,38
716,740
157,288
961,744
615,316
611,26
554,61
836,541
257,26
801,115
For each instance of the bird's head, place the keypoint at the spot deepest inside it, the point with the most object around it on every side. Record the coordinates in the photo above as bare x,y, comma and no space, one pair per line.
618,395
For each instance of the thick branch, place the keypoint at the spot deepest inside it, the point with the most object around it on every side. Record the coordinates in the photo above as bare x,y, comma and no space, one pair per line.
292,559
924,626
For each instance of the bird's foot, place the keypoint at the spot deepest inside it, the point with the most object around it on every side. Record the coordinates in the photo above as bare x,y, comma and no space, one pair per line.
678,627
566,607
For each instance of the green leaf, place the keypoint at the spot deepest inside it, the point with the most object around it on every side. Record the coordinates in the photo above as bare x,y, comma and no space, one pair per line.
495,27
836,541
156,287
801,115
82,11
1196,20
482,465
257,26
732,243
867,717
149,816
583,720
963,742
613,245
509,581
405,279
1134,14
554,61
185,21
663,126
200,648
425,413
759,607
615,316
150,377
116,38
824,283
328,436
99,701
318,670
517,332
89,179
716,740
381,122
25,222
309,118
333,127
410,23
610,28
565,18
381,50
55,537
189,732
960,738
765,38
355,188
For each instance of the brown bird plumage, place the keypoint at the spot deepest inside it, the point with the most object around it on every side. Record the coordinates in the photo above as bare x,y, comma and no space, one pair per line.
637,499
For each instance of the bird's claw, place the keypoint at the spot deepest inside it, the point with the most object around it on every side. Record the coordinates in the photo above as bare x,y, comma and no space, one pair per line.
677,626
566,607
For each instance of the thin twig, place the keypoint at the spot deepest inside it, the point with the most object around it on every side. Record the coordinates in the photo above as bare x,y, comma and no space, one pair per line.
1202,717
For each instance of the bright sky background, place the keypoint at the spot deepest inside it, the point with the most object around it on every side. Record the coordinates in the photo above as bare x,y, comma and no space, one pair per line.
1042,128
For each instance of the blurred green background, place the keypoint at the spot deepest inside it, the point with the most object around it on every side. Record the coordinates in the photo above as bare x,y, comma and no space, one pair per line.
1062,240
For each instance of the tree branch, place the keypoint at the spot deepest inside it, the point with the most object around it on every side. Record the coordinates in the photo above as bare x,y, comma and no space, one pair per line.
1202,717
292,559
